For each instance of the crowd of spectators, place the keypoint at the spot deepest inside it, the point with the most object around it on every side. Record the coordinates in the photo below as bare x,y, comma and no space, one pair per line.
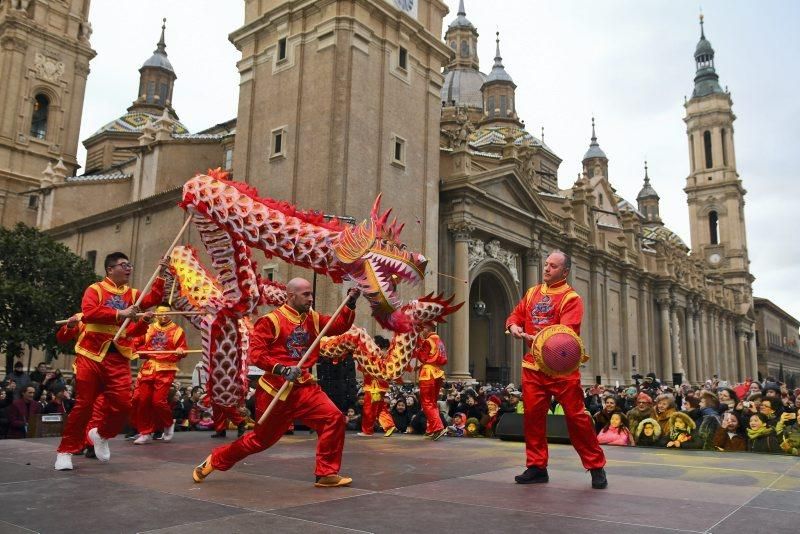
750,416
25,395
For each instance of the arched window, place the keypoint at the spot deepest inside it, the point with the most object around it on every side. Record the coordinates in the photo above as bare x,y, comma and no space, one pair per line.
464,48
724,148
707,147
41,108
713,227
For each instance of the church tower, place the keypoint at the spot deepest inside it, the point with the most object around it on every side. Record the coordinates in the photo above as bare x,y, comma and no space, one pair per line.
595,161
647,201
714,191
340,101
499,97
44,63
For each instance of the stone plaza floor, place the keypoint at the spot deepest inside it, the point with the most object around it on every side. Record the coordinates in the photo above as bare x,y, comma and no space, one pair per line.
401,484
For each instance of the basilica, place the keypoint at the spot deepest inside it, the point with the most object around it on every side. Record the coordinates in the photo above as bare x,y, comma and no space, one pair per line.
341,100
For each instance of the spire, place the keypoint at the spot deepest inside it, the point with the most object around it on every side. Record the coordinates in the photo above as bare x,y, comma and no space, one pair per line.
161,47
706,80
498,70
594,148
647,189
159,57
461,20
461,11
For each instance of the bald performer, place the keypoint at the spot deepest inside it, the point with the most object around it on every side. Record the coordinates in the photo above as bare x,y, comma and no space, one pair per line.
279,341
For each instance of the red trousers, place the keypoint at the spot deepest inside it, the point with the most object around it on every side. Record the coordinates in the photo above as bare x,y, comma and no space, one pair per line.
537,390
151,410
428,395
373,410
222,414
97,417
309,404
112,377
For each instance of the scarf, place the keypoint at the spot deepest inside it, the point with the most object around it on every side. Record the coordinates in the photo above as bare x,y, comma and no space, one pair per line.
761,432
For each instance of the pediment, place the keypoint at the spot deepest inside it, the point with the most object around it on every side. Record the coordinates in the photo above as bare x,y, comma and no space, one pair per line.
506,187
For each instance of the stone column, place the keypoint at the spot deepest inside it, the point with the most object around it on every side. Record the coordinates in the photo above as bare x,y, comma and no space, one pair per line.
753,355
691,355
741,353
666,340
704,355
677,360
723,357
644,333
712,343
532,267
698,342
624,348
460,320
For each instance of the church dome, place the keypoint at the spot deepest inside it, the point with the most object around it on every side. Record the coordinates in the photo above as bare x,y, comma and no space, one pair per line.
461,20
135,121
462,87
159,61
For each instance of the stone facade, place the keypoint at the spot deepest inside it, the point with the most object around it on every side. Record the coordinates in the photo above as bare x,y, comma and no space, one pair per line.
778,343
343,99
44,62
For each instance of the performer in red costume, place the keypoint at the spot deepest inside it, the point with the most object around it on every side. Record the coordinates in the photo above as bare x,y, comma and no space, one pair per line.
101,363
70,332
431,356
152,411
222,414
375,407
553,302
278,342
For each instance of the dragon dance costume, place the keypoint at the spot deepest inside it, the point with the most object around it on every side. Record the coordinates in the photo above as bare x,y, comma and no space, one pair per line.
103,365
151,409
431,355
279,340
543,306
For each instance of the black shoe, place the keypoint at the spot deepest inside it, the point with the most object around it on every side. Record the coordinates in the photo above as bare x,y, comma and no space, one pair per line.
220,434
159,434
599,480
241,429
89,452
533,475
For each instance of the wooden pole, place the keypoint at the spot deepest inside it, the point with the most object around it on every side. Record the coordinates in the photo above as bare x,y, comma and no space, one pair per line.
302,360
189,351
155,274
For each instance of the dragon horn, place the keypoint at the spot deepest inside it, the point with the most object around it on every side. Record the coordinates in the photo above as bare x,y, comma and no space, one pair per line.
376,207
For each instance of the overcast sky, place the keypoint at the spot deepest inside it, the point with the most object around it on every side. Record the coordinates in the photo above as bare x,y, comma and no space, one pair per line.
627,62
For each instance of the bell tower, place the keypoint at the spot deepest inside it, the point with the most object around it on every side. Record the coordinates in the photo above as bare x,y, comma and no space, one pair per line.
44,63
714,191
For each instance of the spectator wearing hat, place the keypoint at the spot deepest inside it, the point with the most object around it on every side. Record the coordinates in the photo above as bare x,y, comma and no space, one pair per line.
616,431
691,407
641,410
647,433
663,410
20,377
492,416
682,433
729,437
60,403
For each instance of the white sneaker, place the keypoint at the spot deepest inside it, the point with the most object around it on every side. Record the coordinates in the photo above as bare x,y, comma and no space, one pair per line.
169,432
364,435
143,439
63,461
101,448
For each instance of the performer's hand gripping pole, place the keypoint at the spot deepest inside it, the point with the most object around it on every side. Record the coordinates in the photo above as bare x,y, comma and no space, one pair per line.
155,274
303,359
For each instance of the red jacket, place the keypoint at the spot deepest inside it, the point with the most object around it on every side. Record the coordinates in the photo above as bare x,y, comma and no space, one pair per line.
167,337
282,337
66,334
432,355
544,306
101,304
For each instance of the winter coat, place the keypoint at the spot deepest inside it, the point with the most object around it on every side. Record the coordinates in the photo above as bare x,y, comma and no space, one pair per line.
615,436
635,416
602,419
723,440
19,415
766,443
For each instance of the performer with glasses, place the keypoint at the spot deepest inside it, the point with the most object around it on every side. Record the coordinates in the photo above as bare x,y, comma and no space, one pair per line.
103,365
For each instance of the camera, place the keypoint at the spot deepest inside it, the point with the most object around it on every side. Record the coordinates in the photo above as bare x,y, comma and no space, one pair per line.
637,376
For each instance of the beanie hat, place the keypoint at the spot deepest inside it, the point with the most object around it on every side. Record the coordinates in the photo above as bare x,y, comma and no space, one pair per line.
644,397
495,399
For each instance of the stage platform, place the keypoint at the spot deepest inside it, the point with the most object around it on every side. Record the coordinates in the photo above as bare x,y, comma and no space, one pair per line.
401,484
